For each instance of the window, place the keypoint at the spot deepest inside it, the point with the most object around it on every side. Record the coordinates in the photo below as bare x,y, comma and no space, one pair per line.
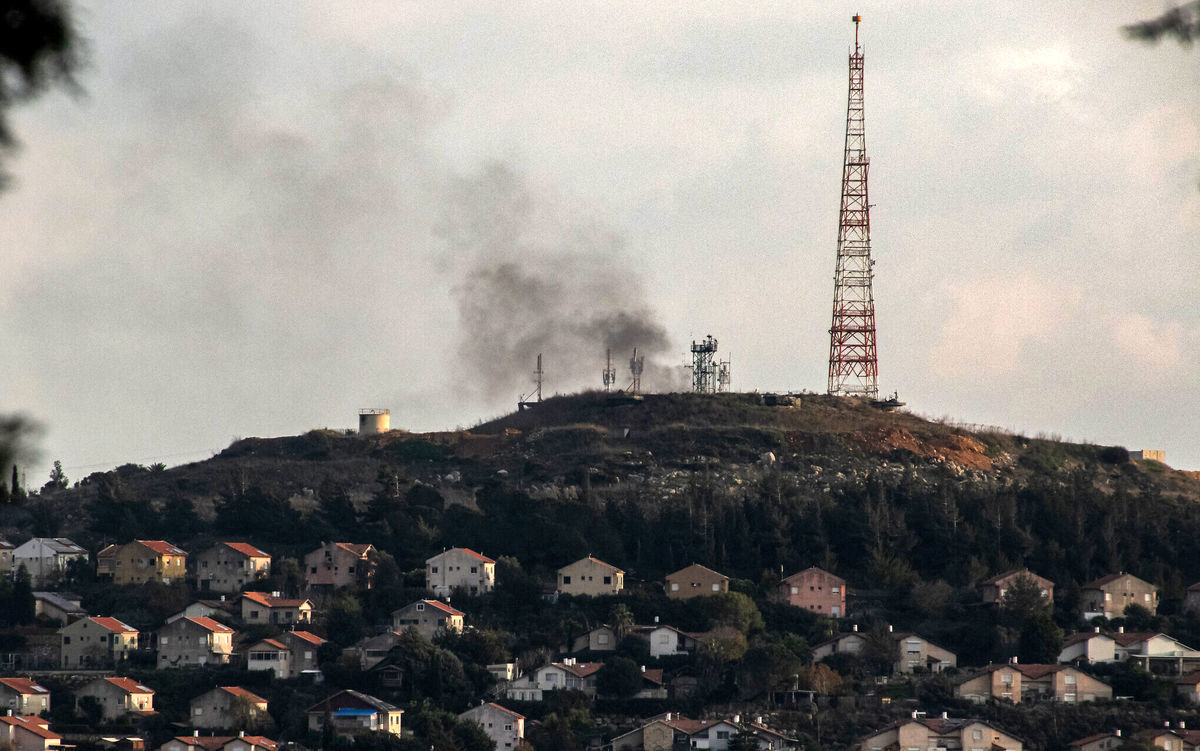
674,586
420,606
976,734
722,735
795,590
1147,597
566,579
474,569
164,641
835,590
1108,596
66,640
433,569
716,587
608,580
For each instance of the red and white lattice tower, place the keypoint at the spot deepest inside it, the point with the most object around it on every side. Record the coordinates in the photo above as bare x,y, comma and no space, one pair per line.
853,363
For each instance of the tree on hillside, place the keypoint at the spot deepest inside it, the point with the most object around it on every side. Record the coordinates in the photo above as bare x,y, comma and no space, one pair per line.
58,478
1181,22
1041,640
620,677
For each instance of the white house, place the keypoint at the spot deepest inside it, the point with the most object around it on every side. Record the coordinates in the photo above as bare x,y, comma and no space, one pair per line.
47,558
462,569
557,676
505,727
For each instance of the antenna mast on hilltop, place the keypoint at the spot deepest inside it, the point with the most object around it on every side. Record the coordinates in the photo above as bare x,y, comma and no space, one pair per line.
525,401
704,370
853,362
636,366
610,374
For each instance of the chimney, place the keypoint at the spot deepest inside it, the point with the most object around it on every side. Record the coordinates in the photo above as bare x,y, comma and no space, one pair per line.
668,716
854,628
889,628
737,718
241,734
643,668
656,620
1095,629
1117,732
758,719
944,716
1120,629
1182,725
195,733
914,714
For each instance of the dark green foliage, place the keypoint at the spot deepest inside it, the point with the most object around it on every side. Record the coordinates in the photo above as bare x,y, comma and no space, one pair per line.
620,677
1041,640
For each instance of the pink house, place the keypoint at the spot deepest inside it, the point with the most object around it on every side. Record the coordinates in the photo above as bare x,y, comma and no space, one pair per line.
816,590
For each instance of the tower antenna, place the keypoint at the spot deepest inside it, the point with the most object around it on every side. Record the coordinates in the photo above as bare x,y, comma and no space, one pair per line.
610,374
853,361
704,370
524,401
636,366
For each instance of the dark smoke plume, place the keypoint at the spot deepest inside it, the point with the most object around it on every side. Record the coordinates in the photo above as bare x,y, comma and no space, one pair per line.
536,282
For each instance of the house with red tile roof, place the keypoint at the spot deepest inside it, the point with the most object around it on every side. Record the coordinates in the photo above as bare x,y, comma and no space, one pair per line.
590,576
96,642
350,713
190,642
227,708
1024,683
462,569
239,742
340,564
143,561
119,697
270,608
1098,742
1086,647
428,617
27,733
505,727
23,696
941,732
228,567
670,731
287,656
557,676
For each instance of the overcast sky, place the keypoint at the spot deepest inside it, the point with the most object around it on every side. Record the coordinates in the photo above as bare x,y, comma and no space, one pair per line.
261,217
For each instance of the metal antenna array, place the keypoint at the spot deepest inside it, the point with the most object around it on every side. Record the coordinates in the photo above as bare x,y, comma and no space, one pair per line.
853,361
724,377
610,375
636,366
704,371
525,401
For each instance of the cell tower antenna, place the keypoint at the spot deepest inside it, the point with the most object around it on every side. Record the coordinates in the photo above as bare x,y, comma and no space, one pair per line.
853,360
636,366
724,376
610,375
704,370
524,401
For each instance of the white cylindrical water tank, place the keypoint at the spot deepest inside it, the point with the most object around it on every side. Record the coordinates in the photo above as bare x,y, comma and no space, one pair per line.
374,421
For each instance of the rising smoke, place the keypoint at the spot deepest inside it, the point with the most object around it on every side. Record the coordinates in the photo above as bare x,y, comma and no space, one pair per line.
535,279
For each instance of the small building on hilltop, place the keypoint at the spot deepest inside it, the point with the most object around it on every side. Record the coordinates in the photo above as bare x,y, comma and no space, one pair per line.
143,561
505,727
995,589
22,696
428,617
1025,683
97,643
941,732
227,708
119,697
269,608
191,642
557,676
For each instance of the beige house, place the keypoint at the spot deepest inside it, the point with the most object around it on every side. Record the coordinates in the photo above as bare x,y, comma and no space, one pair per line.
914,653
97,642
1165,738
119,697
1108,596
58,606
428,617
816,590
264,608
670,731
941,732
189,642
229,567
340,564
227,708
996,588
590,576
1150,647
22,696
695,581
459,568
1025,683
505,727
27,733
352,713
287,656
557,676
47,559
143,561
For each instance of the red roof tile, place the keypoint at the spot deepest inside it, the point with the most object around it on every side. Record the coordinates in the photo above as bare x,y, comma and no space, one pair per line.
246,549
271,601
35,725
211,625
130,686
23,686
506,710
273,643
112,624
580,669
359,550
242,693
162,547
443,607
307,636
